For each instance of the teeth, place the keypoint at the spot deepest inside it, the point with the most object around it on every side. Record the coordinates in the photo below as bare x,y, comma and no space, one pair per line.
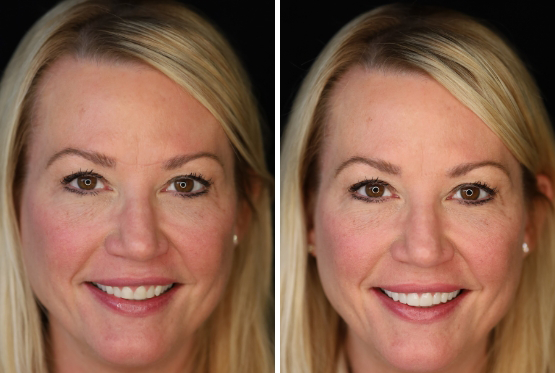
141,293
422,300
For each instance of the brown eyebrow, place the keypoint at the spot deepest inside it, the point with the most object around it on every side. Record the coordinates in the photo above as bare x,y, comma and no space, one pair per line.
180,160
465,168
98,158
105,161
376,163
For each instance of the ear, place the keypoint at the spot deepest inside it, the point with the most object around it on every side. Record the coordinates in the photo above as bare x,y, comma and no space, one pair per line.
310,234
311,240
244,210
538,211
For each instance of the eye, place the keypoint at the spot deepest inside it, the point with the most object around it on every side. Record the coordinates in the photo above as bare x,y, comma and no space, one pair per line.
189,186
87,183
84,182
374,191
474,193
371,190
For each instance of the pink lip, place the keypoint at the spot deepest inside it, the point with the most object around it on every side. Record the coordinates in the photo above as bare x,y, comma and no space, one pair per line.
414,288
133,308
146,281
420,314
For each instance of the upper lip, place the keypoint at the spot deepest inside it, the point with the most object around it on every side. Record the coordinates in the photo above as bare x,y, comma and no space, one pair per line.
420,288
120,282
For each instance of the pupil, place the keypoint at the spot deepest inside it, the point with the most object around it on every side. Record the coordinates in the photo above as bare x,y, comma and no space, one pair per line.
469,192
182,184
87,182
375,190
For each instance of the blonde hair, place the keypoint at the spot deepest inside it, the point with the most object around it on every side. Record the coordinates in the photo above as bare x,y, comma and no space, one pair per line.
479,68
189,50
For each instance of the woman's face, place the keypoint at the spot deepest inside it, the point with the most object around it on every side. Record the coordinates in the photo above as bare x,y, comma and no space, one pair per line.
130,187
417,196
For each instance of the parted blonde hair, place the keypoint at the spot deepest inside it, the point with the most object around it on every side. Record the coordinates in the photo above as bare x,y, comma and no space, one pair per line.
482,71
189,50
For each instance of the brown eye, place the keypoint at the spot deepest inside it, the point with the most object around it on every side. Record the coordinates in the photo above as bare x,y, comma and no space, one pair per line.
184,185
470,193
87,182
374,190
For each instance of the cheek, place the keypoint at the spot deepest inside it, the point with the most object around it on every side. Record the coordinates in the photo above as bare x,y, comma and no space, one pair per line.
349,243
55,238
490,245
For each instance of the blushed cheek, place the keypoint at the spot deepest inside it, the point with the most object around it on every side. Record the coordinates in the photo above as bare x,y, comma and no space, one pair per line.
205,245
349,245
491,246
55,243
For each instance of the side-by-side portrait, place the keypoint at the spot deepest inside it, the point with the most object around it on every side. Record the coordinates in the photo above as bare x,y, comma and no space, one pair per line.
206,186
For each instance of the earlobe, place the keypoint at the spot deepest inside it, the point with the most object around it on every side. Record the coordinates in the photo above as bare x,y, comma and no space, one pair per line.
539,209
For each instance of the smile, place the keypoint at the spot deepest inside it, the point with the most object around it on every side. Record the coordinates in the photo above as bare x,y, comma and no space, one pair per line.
140,293
423,299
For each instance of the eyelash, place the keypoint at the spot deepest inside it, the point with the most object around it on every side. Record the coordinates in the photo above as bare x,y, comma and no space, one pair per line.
201,179
482,185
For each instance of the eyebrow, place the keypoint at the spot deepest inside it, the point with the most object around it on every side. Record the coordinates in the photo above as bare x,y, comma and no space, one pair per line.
392,169
376,163
465,168
109,162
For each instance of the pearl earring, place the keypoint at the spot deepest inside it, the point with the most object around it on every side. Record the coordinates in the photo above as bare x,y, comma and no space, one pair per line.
525,248
235,240
311,249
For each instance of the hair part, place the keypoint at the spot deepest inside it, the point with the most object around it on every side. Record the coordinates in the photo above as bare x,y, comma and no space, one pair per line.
189,50
481,70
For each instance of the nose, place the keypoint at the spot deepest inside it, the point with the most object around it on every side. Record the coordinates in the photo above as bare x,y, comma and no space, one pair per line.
422,243
137,235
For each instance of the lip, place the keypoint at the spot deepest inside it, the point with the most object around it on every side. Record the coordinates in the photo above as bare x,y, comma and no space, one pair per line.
133,308
423,315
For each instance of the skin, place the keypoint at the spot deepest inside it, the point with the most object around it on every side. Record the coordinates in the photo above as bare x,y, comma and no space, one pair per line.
423,232
135,225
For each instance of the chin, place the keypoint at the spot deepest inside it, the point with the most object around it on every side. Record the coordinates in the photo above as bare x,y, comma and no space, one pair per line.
421,356
136,350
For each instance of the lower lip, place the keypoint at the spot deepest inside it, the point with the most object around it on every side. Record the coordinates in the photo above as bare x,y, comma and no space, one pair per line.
135,308
420,314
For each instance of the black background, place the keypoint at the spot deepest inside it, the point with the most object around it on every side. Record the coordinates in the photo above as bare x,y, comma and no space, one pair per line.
249,27
307,27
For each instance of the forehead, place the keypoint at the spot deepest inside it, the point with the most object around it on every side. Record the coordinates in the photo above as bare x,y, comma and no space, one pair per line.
128,111
406,119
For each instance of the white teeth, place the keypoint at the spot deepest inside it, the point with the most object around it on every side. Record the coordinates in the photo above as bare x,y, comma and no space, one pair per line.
422,300
141,293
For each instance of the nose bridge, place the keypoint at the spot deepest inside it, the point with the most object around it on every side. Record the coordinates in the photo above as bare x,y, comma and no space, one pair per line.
137,236
423,241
